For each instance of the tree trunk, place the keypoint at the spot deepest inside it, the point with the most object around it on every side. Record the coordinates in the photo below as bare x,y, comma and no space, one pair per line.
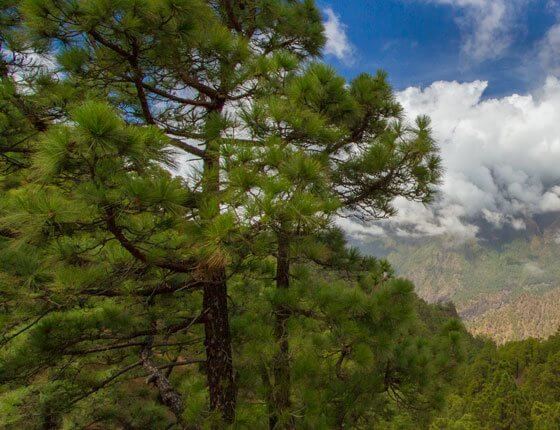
219,366
3,64
280,418
219,363
50,420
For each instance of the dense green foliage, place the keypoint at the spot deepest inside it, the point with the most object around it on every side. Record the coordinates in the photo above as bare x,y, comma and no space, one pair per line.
514,386
135,297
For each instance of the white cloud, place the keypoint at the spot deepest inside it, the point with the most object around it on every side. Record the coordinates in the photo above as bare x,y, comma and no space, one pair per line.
488,25
338,43
415,220
358,230
501,157
551,200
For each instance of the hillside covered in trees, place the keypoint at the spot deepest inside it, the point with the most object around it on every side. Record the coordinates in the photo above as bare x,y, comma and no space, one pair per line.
170,176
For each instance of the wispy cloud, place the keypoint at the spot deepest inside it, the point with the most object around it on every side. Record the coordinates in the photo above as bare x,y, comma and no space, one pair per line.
338,44
488,26
549,50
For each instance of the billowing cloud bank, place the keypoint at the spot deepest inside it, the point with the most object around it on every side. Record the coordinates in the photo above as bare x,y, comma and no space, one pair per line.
501,156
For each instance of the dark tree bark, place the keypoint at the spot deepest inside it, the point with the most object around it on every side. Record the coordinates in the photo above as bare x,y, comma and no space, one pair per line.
219,366
281,364
219,362
50,421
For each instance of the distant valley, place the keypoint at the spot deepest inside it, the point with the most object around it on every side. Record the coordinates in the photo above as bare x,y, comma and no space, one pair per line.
505,284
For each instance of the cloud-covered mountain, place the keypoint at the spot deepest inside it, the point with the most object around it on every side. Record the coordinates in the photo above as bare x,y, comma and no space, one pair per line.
490,242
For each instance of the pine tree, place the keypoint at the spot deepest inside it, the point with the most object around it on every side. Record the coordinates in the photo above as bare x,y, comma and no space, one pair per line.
358,355
180,65
88,180
120,279
331,149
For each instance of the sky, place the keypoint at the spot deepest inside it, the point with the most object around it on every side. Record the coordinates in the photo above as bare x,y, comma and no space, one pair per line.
421,41
487,73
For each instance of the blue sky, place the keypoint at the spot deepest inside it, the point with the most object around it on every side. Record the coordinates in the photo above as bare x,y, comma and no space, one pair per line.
422,41
488,74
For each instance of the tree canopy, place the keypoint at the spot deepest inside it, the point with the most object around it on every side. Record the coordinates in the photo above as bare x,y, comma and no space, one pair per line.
171,176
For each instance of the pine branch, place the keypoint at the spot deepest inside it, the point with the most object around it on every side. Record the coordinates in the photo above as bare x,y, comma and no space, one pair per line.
200,87
147,292
180,266
175,98
182,363
186,324
167,393
7,339
188,148
106,382
112,46
122,346
231,16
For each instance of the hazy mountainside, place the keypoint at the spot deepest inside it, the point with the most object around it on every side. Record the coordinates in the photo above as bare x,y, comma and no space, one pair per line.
508,289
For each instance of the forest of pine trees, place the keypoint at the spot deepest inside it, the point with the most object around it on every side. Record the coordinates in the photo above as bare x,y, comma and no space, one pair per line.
171,172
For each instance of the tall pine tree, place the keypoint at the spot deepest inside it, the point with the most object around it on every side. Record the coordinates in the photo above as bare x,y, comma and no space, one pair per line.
128,276
331,149
179,65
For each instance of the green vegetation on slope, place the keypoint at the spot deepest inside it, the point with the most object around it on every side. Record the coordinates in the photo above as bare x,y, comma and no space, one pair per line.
514,386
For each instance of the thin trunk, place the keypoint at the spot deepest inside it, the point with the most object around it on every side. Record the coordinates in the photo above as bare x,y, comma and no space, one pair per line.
3,70
3,64
219,363
50,421
219,367
280,418
268,393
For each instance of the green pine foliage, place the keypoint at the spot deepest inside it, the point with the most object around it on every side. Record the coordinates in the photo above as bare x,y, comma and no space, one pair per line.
342,373
134,297
513,386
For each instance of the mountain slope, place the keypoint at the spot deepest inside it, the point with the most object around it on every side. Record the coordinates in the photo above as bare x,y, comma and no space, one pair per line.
507,291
